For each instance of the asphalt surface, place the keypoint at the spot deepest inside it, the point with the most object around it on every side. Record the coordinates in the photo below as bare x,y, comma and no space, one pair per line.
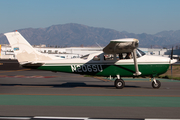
25,92
8,64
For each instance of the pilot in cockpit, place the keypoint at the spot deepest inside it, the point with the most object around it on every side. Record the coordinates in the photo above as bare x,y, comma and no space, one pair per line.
120,56
128,56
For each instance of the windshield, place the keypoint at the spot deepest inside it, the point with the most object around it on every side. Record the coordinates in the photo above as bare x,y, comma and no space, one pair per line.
140,53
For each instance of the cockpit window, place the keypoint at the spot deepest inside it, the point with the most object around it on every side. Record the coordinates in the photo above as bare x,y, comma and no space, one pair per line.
129,55
123,56
85,56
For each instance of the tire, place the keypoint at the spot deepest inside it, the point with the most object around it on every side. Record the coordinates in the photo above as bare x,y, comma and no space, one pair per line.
119,83
156,86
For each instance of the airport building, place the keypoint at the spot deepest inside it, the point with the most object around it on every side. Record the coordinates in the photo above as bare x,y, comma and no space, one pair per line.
74,52
70,52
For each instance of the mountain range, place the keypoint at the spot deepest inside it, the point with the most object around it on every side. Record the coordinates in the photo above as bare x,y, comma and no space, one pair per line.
72,34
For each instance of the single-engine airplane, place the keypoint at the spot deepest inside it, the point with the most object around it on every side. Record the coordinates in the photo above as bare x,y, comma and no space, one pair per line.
120,58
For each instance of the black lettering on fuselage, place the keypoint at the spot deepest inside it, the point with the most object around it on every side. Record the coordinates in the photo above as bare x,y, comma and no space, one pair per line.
86,68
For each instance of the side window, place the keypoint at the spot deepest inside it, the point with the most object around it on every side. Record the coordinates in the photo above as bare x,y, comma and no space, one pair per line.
85,56
96,58
108,57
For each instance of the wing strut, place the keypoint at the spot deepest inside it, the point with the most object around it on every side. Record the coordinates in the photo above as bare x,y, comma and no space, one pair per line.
135,64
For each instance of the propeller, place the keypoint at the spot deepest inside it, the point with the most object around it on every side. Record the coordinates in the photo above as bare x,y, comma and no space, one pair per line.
171,59
172,53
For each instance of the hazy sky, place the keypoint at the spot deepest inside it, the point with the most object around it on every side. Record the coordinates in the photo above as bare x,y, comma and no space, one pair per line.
136,16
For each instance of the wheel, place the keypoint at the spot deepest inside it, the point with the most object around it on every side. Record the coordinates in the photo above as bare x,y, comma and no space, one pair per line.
119,83
156,86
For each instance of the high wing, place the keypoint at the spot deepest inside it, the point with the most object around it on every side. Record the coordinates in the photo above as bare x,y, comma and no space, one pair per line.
125,45
121,46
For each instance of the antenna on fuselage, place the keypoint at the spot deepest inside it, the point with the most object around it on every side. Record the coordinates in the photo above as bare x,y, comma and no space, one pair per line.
98,45
171,59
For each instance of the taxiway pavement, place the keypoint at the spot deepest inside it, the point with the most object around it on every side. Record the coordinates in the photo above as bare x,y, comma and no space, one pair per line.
28,92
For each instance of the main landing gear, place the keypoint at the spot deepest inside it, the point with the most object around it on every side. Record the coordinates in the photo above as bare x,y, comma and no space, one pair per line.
119,83
156,84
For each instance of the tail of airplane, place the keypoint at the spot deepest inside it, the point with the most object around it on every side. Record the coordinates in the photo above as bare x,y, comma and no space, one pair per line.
24,52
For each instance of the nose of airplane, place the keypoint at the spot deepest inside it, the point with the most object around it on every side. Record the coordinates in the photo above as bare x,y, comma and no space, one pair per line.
171,61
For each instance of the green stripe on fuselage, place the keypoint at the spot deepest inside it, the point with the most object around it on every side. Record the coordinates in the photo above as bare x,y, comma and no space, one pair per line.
107,70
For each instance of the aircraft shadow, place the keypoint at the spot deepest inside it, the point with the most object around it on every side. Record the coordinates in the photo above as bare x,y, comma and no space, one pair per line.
70,85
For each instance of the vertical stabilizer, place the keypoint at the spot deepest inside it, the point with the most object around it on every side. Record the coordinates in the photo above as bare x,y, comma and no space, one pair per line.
24,52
